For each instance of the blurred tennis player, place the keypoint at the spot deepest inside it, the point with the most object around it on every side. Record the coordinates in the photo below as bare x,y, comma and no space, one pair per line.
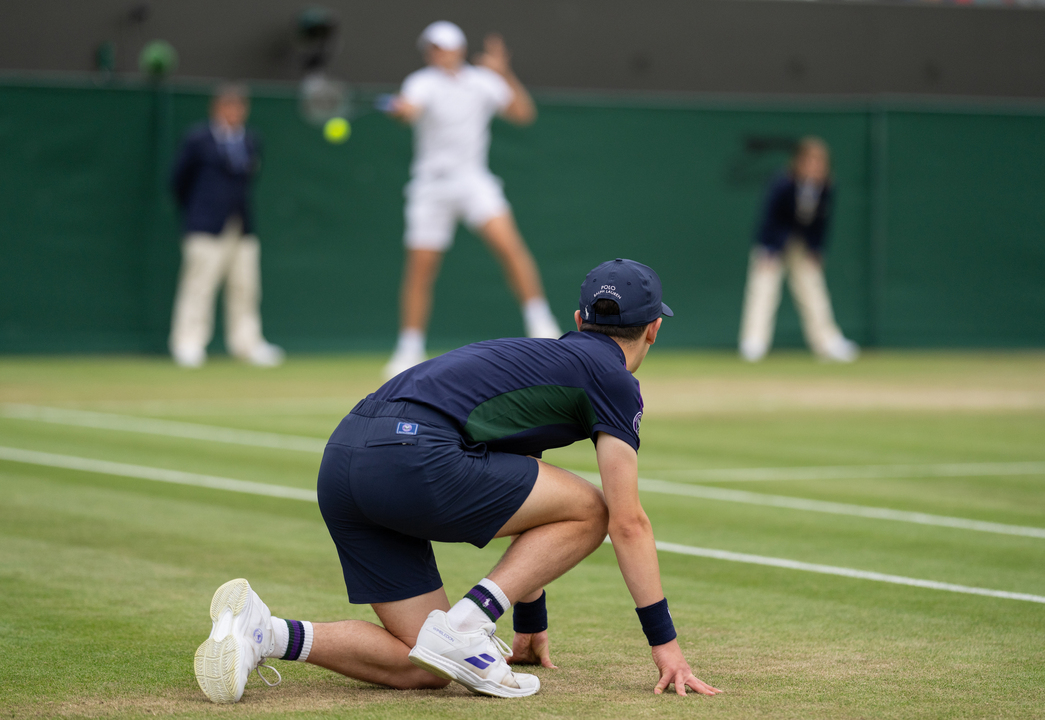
450,105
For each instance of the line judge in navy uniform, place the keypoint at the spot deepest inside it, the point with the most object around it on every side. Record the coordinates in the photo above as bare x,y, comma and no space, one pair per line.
791,239
212,182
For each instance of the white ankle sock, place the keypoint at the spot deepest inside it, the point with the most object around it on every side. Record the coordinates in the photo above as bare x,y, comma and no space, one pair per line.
411,342
537,310
281,633
468,614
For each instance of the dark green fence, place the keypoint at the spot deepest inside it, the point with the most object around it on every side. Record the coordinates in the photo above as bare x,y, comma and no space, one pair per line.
939,236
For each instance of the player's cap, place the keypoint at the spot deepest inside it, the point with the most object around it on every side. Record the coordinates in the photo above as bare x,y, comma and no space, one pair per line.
443,34
633,286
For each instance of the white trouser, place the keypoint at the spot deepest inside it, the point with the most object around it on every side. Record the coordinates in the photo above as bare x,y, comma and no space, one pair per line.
762,297
207,261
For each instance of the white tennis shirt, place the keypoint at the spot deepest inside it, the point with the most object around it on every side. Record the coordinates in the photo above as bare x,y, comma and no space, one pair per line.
452,134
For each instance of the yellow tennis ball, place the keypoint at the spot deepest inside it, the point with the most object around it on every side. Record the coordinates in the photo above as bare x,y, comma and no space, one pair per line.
337,130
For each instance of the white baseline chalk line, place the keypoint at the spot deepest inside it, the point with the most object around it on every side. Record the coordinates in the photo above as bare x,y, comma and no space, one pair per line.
167,428
843,572
862,472
142,472
792,503
213,433
108,421
105,467
834,508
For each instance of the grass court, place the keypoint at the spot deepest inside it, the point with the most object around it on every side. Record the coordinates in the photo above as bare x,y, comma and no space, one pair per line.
778,488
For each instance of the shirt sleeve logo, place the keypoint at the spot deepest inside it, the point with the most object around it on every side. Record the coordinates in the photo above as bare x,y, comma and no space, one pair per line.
637,421
405,428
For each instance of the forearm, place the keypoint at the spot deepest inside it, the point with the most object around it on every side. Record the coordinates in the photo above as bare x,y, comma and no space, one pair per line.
636,551
522,110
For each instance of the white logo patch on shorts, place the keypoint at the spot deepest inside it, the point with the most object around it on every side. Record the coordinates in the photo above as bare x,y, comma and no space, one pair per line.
405,428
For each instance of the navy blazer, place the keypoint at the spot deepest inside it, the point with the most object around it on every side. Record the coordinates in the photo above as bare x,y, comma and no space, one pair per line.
780,218
208,188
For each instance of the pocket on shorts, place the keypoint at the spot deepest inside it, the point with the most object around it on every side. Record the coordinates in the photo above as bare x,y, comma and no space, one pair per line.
384,442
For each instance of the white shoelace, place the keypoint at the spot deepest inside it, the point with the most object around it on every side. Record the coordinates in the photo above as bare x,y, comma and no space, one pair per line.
501,645
279,678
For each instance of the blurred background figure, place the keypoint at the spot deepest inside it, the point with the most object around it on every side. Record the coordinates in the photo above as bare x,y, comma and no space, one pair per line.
791,238
212,183
450,105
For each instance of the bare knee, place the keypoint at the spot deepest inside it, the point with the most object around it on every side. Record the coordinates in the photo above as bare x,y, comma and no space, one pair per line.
596,513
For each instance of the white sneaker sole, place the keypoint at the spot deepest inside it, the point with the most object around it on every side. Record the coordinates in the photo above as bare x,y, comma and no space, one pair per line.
217,660
445,668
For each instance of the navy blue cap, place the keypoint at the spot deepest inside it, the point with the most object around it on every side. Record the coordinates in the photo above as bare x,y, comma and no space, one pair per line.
633,286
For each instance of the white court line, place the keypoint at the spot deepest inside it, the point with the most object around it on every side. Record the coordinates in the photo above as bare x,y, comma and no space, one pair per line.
69,462
793,503
862,472
168,428
195,431
141,472
108,421
843,572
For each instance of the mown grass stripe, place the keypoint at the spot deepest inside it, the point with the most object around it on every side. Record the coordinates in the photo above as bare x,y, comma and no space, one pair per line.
170,428
242,486
792,503
214,433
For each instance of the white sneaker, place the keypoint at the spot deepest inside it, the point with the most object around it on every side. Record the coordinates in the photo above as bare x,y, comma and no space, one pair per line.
841,350
474,659
187,357
265,354
545,327
752,351
240,638
400,361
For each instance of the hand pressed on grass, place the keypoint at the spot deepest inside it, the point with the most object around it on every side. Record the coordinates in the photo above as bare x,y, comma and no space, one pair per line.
531,649
674,669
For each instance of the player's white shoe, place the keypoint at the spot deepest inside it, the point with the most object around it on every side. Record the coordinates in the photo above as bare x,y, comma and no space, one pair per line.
402,360
189,357
265,354
841,350
240,638
474,659
752,350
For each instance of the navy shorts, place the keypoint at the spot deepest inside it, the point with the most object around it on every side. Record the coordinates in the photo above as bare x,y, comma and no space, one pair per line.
396,476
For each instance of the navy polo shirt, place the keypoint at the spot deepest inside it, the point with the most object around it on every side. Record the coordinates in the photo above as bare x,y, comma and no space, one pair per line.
527,395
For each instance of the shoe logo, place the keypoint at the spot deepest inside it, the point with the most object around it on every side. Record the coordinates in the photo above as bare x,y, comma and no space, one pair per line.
482,661
258,636
406,428
443,634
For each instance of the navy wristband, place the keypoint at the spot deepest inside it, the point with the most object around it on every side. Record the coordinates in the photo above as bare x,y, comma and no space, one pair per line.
531,617
656,623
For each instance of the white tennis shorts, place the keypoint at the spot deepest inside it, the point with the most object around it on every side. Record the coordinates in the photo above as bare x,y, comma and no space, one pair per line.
434,206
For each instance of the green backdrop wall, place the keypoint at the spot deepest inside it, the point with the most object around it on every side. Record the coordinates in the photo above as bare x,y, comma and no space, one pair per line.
937,240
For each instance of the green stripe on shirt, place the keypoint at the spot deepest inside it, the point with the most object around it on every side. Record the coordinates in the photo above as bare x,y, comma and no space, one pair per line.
519,410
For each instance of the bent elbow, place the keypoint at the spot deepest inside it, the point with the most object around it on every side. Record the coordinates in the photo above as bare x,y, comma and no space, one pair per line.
627,530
